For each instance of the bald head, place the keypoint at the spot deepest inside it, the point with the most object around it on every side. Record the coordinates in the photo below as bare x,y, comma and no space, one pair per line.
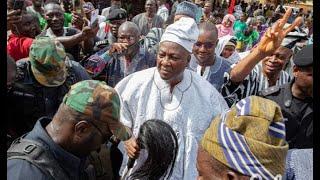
208,27
129,26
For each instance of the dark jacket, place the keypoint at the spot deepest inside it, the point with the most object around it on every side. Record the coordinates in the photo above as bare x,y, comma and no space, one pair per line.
298,118
73,166
29,100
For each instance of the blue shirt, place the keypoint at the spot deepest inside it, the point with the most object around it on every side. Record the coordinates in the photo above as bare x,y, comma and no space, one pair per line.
21,169
117,67
215,73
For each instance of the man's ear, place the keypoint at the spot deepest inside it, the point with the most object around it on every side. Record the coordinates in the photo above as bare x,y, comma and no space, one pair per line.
188,60
81,128
295,70
230,175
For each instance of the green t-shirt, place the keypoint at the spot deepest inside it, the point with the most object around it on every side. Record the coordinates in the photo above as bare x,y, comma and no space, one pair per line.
67,19
239,26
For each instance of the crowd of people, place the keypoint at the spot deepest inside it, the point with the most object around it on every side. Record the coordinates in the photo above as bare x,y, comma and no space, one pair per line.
184,90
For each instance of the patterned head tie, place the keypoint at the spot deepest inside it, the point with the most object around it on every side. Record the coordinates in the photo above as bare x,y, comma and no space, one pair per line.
249,138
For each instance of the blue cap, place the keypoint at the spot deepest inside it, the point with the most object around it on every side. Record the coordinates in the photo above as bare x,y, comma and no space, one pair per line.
187,8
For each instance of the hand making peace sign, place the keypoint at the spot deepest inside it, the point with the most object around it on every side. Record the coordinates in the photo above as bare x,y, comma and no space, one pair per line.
273,37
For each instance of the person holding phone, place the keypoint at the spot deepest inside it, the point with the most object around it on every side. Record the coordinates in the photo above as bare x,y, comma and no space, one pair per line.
123,58
24,29
83,37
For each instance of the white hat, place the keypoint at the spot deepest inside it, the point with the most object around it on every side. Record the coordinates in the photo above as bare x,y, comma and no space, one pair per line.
184,32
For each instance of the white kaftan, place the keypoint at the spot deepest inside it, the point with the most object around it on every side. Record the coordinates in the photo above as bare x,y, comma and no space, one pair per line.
194,103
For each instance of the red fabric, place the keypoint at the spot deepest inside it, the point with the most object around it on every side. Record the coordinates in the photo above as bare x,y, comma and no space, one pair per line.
231,7
107,28
18,47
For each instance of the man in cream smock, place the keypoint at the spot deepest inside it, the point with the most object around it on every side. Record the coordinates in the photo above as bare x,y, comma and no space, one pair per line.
171,93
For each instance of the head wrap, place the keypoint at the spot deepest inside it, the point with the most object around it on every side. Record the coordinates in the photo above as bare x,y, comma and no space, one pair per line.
88,7
184,32
187,8
223,30
229,17
249,138
223,41
261,19
99,102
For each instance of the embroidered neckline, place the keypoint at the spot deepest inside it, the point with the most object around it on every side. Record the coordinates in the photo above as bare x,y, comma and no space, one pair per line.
182,89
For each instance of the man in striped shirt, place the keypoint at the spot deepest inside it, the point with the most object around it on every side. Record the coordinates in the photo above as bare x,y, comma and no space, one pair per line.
249,75
265,74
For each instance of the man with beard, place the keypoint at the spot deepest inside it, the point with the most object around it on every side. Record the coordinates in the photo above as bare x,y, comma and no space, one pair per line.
149,19
54,15
296,100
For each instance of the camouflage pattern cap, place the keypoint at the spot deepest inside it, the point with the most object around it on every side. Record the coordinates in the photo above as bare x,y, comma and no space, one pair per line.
47,61
98,102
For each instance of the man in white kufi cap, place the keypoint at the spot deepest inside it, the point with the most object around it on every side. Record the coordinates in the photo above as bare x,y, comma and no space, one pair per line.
171,93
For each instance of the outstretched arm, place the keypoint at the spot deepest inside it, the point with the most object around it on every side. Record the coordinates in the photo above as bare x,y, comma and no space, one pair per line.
270,41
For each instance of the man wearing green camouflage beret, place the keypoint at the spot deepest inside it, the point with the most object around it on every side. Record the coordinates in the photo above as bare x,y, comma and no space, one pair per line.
57,148
41,81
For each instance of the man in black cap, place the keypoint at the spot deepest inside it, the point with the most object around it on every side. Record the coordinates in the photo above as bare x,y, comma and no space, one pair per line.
296,100
109,30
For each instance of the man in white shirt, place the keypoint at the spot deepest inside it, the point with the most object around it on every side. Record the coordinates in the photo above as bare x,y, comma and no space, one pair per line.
171,93
163,11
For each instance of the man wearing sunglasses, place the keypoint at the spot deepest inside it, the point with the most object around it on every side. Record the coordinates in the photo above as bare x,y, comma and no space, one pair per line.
57,148
204,61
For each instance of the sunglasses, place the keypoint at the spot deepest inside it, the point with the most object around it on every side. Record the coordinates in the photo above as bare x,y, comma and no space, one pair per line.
207,45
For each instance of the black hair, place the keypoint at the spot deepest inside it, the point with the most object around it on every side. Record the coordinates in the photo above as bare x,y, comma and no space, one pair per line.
209,26
161,143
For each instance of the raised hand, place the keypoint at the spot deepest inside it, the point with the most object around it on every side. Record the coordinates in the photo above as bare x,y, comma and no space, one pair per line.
273,37
118,47
90,32
77,20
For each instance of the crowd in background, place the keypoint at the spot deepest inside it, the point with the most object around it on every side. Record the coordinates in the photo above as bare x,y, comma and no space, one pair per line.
173,89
